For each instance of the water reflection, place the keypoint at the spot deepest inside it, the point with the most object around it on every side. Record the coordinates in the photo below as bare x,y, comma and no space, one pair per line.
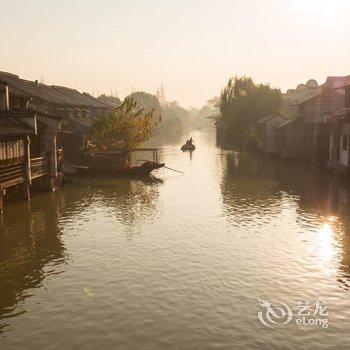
30,249
132,202
31,246
265,188
230,230
246,192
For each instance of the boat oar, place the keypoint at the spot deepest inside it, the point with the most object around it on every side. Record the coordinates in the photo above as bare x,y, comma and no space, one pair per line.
178,171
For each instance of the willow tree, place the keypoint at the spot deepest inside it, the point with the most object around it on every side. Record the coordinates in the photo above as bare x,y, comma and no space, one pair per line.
126,128
242,103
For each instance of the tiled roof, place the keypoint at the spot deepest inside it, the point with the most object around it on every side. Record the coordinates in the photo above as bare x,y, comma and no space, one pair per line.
345,83
313,94
288,123
337,82
83,99
53,94
331,83
271,116
10,126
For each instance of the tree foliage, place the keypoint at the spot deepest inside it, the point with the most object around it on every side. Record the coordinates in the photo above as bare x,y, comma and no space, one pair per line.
241,104
148,102
126,128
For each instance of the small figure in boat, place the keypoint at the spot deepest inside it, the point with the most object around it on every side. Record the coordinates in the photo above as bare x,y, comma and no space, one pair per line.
189,142
189,145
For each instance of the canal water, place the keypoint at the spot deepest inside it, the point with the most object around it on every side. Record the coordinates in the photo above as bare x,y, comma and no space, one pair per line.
231,255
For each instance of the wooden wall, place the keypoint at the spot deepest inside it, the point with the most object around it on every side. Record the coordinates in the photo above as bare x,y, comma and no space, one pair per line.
11,152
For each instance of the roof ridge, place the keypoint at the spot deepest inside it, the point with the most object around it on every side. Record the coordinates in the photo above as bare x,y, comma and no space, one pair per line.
10,74
64,87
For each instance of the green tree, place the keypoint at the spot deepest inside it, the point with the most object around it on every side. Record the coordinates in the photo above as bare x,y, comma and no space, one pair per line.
242,103
126,128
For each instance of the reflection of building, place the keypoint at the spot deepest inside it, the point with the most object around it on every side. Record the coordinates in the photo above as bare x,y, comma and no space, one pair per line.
26,247
248,188
254,188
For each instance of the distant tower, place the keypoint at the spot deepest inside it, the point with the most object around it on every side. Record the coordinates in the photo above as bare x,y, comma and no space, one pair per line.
42,81
162,94
158,94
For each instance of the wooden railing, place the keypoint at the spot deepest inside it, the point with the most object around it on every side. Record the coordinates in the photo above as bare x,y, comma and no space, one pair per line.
39,167
12,175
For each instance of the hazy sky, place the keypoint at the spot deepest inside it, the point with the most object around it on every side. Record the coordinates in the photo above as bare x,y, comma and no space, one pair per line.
193,47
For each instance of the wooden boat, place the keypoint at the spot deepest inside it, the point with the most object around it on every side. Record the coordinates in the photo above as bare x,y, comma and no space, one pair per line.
188,147
140,170
119,164
134,170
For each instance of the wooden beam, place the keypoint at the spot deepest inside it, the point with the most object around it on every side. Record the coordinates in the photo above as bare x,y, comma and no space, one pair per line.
1,200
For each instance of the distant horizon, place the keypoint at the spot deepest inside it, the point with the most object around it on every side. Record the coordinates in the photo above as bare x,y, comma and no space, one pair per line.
192,47
115,93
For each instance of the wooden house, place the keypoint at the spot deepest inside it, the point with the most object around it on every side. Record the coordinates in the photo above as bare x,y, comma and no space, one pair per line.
266,133
339,139
76,110
315,110
290,142
14,155
38,131
83,113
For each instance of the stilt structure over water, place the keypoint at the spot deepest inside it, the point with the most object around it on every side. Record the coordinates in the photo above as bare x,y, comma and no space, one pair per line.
38,124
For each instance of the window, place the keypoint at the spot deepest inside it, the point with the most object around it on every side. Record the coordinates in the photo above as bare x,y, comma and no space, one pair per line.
2,151
16,103
345,142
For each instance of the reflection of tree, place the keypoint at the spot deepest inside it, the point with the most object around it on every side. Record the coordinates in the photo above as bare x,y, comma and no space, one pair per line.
29,240
134,201
245,192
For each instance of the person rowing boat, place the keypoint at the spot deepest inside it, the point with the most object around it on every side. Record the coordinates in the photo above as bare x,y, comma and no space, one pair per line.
189,145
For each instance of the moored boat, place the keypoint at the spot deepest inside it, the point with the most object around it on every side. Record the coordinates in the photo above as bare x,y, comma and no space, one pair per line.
119,164
134,170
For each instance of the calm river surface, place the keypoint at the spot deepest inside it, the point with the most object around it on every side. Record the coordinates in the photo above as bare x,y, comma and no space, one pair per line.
180,263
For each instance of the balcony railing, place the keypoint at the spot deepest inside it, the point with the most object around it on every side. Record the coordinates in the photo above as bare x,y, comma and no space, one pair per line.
12,175
39,167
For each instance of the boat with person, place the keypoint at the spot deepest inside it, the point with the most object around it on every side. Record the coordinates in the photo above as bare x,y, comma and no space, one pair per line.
188,146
